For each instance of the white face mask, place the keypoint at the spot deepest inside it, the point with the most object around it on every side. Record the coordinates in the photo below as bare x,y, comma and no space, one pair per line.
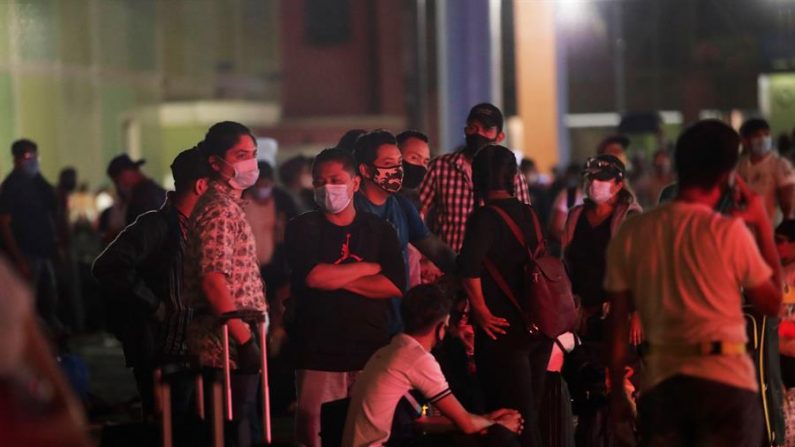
599,191
761,146
333,198
246,173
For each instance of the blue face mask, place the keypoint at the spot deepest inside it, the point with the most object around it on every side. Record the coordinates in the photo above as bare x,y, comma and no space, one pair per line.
30,166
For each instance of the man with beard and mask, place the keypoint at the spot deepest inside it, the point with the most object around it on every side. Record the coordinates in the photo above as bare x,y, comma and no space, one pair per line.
345,266
766,172
416,153
446,192
28,212
405,365
142,194
380,166
683,266
221,270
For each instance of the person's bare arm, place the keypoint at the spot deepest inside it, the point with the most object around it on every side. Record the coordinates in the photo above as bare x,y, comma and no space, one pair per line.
373,286
438,252
619,332
556,223
491,324
467,422
766,298
216,289
786,200
755,216
335,277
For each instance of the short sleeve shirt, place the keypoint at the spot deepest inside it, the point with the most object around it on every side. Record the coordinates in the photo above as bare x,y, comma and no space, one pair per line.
391,372
766,177
219,241
338,330
685,266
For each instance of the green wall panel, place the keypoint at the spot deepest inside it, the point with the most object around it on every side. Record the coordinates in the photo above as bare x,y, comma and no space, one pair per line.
78,125
115,101
76,37
38,118
5,31
7,117
38,28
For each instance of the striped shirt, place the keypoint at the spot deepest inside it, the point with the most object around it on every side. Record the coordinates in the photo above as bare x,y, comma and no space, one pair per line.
448,198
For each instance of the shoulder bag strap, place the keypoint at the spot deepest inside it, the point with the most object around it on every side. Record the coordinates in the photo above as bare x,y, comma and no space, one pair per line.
517,232
491,268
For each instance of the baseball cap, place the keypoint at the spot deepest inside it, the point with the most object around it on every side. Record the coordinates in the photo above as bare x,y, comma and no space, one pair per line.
122,163
487,114
604,167
190,165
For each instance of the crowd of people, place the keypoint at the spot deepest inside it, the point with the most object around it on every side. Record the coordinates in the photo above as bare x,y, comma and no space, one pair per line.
396,287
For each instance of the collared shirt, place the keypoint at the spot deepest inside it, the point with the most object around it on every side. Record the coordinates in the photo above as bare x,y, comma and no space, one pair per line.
390,374
219,241
448,198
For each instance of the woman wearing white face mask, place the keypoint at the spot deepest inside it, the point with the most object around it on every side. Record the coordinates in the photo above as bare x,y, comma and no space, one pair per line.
588,230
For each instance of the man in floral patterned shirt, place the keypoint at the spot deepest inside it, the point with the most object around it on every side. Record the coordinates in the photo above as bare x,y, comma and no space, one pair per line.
222,272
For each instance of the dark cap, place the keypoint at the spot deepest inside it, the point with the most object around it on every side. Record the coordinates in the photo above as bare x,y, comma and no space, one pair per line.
604,167
487,114
122,163
190,165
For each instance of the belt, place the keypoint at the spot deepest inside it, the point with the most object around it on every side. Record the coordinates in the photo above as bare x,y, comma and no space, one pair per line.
703,348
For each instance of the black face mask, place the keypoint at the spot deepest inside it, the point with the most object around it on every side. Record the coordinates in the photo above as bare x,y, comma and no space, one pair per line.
475,142
413,175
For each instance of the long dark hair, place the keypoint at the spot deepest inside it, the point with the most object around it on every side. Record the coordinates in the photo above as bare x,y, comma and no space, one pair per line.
493,169
222,136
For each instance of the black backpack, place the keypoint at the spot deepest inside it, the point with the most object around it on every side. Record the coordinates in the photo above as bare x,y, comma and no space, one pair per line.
547,302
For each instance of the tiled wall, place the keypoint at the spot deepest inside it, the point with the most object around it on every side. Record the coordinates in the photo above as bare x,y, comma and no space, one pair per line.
71,70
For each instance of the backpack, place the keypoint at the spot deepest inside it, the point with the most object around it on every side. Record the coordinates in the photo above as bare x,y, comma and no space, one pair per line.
547,304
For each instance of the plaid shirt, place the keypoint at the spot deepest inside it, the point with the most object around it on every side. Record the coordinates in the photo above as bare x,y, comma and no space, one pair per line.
448,199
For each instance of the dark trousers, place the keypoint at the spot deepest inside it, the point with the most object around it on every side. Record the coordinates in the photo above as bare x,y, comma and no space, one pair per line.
43,280
514,378
688,411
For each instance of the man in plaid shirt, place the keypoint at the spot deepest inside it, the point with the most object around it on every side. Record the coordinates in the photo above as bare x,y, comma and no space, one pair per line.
446,192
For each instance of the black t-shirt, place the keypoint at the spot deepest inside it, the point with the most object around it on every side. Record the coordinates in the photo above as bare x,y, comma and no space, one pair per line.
586,257
339,330
487,236
31,203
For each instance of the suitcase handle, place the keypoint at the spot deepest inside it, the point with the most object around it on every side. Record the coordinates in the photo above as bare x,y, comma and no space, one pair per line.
246,315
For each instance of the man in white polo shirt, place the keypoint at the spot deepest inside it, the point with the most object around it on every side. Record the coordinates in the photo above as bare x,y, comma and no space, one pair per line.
682,267
407,364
